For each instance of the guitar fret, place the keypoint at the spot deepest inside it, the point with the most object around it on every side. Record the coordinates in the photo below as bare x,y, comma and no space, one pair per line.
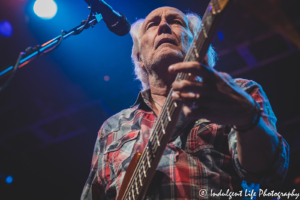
148,158
175,104
212,8
204,31
140,178
169,118
218,6
132,192
162,127
136,187
144,170
149,163
196,52
157,140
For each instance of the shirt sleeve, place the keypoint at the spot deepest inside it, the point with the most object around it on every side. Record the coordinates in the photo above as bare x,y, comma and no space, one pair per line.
277,171
94,187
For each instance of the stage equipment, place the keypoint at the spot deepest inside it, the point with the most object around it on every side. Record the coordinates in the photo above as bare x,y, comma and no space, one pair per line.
8,179
45,9
6,28
115,21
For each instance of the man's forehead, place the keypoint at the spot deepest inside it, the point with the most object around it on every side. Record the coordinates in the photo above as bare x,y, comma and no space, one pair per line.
165,10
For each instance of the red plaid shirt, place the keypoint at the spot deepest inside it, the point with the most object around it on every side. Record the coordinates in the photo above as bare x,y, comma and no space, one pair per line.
203,158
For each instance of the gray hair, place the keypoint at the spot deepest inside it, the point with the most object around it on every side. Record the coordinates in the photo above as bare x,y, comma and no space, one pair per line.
194,23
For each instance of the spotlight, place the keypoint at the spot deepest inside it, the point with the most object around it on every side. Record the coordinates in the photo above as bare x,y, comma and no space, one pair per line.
9,179
220,35
6,28
45,9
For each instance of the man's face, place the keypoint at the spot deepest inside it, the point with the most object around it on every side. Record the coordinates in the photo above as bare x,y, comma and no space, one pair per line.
165,38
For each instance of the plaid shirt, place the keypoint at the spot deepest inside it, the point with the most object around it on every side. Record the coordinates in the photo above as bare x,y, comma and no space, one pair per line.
204,158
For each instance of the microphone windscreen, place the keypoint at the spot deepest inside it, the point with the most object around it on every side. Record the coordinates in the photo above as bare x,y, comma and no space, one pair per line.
122,27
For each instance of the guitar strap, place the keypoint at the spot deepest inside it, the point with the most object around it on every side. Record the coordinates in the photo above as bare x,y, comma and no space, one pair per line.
183,125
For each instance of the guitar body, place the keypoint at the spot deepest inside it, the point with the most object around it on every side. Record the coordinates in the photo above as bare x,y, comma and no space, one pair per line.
128,174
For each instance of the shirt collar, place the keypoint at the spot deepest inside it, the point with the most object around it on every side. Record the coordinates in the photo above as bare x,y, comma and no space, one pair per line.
143,98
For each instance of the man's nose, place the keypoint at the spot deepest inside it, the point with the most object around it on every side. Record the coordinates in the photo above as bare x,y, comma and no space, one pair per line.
164,27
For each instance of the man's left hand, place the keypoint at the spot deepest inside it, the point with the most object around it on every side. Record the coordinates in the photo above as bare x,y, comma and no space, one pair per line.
216,98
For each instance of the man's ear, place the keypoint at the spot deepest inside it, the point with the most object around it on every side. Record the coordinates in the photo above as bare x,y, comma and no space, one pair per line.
141,63
205,60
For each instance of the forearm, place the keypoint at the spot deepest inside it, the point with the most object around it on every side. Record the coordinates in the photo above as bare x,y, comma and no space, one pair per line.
256,148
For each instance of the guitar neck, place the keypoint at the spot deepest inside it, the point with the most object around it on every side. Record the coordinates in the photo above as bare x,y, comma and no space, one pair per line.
166,121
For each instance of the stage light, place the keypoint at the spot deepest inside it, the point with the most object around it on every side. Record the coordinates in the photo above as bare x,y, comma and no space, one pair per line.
9,179
6,29
45,9
220,35
106,78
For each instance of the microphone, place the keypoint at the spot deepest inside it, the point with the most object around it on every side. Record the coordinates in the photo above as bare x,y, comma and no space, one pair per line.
115,21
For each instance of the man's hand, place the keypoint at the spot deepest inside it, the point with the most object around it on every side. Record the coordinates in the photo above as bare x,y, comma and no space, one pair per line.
216,98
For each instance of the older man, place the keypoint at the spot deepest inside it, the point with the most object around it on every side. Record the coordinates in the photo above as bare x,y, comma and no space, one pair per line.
204,156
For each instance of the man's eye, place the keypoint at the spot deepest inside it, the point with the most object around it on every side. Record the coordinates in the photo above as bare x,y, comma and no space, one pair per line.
177,22
150,25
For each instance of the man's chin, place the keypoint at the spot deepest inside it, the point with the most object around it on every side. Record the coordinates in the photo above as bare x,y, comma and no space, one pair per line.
168,56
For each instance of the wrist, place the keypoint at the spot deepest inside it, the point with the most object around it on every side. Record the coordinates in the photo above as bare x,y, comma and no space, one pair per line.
255,117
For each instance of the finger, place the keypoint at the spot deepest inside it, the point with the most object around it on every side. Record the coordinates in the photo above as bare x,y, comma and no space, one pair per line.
190,86
195,78
194,68
186,98
176,96
194,100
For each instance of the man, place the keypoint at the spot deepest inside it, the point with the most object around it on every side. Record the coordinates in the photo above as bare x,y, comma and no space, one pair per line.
204,157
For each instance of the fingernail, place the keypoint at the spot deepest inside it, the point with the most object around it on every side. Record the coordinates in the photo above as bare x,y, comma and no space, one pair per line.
171,67
175,95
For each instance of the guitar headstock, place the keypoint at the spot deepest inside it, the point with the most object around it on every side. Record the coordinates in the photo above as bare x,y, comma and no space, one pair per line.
217,6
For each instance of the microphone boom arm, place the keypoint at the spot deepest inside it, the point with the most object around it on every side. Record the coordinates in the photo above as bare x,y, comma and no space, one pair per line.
40,50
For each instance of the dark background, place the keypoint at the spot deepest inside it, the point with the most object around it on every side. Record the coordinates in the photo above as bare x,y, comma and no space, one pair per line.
53,108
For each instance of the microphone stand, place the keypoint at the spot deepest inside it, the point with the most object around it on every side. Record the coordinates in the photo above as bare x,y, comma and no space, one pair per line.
33,52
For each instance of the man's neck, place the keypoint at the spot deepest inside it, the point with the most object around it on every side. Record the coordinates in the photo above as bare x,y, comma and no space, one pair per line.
159,92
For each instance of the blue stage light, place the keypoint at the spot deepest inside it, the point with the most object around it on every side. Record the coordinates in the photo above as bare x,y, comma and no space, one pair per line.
220,35
6,29
45,9
9,179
